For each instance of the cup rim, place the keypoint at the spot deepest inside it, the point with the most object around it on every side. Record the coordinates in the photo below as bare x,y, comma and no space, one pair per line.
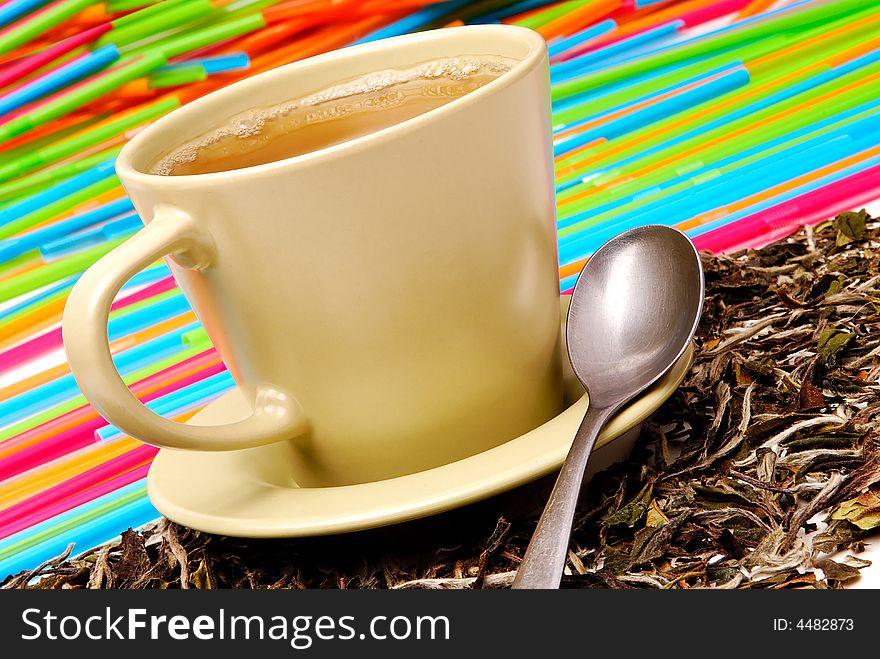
537,48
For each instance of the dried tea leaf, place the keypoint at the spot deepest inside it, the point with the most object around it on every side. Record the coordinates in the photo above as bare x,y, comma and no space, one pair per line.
201,578
855,561
655,516
839,534
863,511
836,571
850,227
760,367
653,541
831,342
810,397
630,514
135,560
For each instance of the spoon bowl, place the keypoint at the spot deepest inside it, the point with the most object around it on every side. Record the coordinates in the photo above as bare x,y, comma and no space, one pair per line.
634,310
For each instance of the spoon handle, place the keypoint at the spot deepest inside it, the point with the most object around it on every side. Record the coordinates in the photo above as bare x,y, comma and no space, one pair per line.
544,562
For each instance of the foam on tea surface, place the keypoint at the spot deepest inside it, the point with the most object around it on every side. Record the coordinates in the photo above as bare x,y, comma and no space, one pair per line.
331,116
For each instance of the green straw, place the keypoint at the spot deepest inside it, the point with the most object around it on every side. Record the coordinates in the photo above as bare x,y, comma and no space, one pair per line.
22,150
66,290
769,27
37,304
77,143
549,14
177,45
116,6
46,212
247,6
147,23
146,11
128,70
177,76
52,272
29,185
37,24
658,83
23,259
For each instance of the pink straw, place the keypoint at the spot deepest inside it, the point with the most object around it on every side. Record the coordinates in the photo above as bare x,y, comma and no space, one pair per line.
156,288
48,504
51,340
781,220
83,434
31,63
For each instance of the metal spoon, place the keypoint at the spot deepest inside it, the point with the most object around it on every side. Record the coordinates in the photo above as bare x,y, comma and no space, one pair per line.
633,313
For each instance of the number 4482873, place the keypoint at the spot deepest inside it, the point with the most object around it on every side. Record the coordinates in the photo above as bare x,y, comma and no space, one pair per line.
825,624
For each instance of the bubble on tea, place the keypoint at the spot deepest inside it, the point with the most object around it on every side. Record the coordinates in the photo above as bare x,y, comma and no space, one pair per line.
330,116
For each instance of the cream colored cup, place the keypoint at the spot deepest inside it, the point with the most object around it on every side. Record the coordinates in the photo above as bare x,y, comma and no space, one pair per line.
389,304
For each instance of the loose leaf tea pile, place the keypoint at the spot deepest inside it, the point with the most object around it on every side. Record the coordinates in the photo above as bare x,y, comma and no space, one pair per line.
764,464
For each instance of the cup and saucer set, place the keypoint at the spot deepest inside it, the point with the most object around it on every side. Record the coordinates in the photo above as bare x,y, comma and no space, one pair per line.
388,305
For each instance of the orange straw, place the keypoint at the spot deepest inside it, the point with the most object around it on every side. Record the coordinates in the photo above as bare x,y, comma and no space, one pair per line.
30,323
21,487
710,216
578,19
755,7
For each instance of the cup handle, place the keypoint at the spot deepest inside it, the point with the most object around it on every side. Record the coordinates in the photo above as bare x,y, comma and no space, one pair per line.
277,416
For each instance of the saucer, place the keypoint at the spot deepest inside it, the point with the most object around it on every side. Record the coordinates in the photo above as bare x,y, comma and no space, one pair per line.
246,493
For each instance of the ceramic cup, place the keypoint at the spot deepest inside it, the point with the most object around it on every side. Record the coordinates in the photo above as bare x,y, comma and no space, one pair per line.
389,304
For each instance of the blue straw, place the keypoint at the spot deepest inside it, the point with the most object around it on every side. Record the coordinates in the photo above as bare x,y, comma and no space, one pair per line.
737,77
733,27
123,226
567,282
16,9
704,197
179,401
598,59
8,543
65,387
147,316
12,248
585,97
212,65
58,191
61,77
414,22
847,123
85,535
512,10
786,196
688,82
578,38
